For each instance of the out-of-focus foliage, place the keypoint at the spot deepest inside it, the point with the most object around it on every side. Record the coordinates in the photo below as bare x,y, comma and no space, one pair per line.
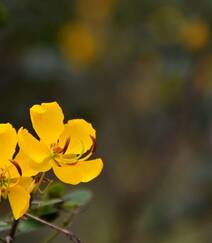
50,207
141,72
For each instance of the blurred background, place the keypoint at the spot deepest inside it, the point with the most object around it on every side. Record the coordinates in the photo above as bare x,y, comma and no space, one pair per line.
141,72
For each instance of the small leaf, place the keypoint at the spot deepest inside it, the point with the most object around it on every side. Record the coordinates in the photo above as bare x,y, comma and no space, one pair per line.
28,225
48,209
51,202
49,213
40,204
3,13
77,198
5,226
56,190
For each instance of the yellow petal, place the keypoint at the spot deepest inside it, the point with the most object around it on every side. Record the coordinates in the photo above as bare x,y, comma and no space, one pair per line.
19,201
79,132
47,120
24,162
13,171
68,174
8,141
90,169
31,147
27,183
40,167
81,172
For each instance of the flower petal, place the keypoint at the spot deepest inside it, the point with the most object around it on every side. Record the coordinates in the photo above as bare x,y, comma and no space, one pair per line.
68,174
81,172
40,167
31,147
24,162
79,132
19,201
13,171
47,120
27,183
8,141
90,169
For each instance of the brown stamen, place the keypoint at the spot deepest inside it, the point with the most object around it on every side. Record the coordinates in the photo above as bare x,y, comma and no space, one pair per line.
17,166
66,145
91,150
72,163
38,177
59,150
56,162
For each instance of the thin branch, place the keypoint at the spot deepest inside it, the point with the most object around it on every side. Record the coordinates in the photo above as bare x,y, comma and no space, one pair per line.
9,238
66,232
65,223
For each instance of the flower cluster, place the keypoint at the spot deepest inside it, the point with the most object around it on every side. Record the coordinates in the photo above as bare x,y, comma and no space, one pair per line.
63,147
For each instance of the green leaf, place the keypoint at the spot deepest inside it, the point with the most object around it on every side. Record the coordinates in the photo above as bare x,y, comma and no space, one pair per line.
49,206
56,190
24,226
77,198
28,225
49,213
44,211
51,202
3,13
5,226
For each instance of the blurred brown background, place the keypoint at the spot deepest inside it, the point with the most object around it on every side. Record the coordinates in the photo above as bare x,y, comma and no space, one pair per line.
141,72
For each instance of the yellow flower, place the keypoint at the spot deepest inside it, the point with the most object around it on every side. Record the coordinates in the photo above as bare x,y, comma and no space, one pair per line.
63,147
195,34
95,10
12,185
78,44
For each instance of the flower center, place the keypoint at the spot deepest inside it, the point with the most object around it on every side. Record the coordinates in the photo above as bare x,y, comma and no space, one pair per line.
61,158
56,149
4,182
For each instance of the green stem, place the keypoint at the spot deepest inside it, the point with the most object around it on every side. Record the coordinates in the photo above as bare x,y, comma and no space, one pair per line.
39,182
9,238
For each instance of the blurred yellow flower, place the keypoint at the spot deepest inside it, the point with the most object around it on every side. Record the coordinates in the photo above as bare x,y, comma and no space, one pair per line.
63,147
78,44
13,184
95,10
194,34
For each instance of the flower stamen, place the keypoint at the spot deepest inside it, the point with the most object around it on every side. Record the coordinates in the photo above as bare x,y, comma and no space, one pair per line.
17,166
